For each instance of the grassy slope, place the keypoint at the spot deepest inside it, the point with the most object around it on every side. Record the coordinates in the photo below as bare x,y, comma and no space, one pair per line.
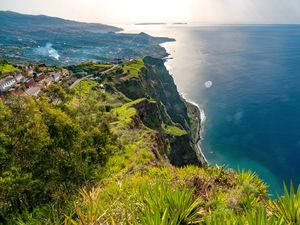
7,68
140,189
134,170
139,186
132,70
175,131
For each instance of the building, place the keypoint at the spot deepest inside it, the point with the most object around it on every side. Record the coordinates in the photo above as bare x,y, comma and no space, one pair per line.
29,82
48,81
29,72
7,83
72,81
65,72
39,77
56,77
15,91
33,91
19,77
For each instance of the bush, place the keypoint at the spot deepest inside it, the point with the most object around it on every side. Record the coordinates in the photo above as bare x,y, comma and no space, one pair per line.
287,207
162,205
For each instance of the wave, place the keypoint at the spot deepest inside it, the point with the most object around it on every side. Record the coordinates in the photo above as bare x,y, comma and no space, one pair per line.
200,109
201,125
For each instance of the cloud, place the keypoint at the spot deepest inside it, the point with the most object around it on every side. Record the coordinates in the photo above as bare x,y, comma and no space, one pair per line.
128,11
247,11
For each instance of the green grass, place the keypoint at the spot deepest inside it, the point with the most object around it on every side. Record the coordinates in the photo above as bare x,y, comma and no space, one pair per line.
84,87
126,112
137,185
93,67
194,123
138,193
7,68
133,68
174,131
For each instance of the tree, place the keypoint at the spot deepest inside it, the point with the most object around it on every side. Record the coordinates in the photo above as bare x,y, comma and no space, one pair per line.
47,152
24,137
56,92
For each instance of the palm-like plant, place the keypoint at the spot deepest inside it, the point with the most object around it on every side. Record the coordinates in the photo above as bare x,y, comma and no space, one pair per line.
287,207
224,219
249,177
91,210
260,217
162,205
256,217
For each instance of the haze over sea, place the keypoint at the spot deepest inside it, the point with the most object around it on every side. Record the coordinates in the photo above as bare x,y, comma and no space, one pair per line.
246,78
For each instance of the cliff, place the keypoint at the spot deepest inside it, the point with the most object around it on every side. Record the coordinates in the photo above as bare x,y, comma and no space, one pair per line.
169,112
120,147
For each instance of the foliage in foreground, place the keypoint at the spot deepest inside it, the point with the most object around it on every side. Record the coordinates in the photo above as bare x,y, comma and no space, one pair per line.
287,207
5,67
170,196
89,160
46,154
164,205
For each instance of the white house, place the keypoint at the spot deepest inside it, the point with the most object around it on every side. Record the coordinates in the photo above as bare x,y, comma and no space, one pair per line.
19,77
7,83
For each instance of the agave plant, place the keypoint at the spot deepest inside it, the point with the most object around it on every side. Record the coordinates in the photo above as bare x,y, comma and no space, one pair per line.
255,217
260,217
224,218
91,210
249,177
287,207
162,205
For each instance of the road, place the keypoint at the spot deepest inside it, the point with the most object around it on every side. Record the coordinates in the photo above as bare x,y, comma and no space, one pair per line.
91,75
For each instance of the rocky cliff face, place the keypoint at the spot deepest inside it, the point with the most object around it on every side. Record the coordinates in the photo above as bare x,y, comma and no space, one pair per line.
162,110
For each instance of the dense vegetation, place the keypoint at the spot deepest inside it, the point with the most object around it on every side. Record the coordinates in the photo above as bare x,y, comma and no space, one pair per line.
7,68
47,153
103,154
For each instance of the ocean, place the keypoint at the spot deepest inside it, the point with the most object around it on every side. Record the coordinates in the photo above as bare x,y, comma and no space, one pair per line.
246,79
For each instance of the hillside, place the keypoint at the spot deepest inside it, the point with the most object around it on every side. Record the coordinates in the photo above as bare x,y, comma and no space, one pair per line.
13,22
118,147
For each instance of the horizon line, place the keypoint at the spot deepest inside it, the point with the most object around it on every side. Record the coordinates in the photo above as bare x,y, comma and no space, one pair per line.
157,23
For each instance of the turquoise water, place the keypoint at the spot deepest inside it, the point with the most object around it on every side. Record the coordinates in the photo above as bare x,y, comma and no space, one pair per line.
247,81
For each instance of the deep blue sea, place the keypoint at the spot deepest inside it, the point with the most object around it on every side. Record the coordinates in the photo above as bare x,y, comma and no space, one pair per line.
247,81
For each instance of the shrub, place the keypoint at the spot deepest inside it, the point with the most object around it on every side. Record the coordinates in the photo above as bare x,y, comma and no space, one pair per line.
287,207
163,205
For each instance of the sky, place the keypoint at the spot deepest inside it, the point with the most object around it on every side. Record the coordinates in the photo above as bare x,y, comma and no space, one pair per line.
136,11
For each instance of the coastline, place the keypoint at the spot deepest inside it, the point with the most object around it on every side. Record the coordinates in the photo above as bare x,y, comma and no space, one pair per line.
199,130
200,117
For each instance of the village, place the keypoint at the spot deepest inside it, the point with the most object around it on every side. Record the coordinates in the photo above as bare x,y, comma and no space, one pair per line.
32,81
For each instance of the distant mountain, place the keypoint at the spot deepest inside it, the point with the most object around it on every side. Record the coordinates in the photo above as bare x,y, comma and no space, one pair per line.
145,24
180,23
55,41
29,23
